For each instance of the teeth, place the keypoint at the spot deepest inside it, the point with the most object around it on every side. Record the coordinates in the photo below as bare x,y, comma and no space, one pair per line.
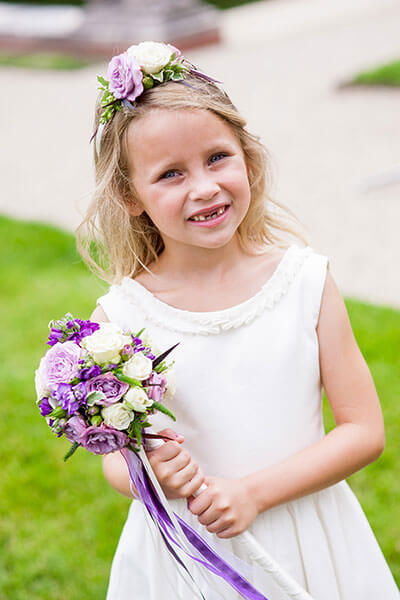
212,216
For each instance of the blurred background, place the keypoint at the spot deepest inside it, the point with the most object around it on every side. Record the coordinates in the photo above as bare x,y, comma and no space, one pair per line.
319,81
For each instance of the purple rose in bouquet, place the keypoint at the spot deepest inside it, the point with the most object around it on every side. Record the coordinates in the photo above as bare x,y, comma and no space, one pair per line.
60,364
74,428
112,388
103,439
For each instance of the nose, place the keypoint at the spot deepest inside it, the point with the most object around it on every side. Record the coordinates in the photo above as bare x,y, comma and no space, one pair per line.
203,187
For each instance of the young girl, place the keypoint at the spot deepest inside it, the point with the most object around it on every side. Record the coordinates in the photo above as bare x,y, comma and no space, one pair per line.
196,254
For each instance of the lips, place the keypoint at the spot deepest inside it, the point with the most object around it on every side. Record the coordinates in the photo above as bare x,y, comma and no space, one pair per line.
208,211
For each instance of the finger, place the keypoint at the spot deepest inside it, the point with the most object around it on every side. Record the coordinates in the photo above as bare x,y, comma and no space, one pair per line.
164,453
171,434
181,461
201,503
193,485
180,478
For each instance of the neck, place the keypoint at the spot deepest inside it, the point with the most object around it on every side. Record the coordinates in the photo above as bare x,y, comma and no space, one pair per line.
196,263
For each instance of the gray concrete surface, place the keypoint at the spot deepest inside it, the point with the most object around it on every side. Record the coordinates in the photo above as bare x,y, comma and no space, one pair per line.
335,152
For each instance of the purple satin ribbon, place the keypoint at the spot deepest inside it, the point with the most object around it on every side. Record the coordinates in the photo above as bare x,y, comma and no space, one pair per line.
212,561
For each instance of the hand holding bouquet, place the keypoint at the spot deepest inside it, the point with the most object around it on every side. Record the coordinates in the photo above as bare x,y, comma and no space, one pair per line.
97,385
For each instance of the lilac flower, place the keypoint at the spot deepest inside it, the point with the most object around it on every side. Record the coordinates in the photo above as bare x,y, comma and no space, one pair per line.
56,335
74,428
103,439
45,407
90,372
65,397
125,77
156,391
59,365
80,392
85,328
137,344
111,387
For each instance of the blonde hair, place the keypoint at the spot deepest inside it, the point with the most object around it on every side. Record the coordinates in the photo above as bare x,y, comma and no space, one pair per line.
115,244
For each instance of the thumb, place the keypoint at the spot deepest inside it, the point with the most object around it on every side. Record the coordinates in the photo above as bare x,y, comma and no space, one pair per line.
172,434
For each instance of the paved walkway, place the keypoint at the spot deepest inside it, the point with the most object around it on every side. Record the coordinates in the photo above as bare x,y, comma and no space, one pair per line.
336,153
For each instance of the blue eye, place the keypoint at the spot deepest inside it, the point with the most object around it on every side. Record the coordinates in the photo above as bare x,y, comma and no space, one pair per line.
166,175
220,155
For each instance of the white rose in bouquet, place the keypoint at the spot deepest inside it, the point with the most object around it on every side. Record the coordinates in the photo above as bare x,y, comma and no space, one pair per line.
117,416
138,367
151,56
170,386
105,344
137,399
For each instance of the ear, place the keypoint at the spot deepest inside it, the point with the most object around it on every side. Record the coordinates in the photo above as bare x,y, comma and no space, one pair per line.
134,210
134,207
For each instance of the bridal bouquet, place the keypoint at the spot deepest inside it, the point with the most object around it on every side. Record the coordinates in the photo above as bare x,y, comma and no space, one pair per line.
97,385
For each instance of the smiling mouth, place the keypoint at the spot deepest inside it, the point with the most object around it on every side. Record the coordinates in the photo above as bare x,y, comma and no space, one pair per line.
210,216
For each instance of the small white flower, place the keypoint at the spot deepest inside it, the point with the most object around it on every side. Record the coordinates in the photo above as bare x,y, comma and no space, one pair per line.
105,344
117,416
137,399
138,367
170,378
148,342
151,56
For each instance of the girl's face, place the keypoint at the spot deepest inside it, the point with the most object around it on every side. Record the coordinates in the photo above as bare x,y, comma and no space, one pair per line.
190,176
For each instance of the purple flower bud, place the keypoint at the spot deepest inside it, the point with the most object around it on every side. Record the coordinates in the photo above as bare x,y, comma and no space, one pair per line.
127,351
45,408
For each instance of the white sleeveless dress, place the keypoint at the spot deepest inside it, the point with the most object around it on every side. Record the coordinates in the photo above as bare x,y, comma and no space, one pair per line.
249,395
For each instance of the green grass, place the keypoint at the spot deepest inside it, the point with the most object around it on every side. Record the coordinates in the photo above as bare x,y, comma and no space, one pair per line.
388,74
43,60
60,522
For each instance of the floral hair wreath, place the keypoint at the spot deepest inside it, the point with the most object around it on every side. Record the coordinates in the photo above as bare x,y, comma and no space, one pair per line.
140,68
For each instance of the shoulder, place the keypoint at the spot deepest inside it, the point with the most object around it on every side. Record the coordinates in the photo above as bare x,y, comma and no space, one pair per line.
337,345
98,315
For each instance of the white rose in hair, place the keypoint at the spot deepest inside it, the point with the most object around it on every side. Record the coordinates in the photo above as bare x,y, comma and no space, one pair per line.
117,416
138,367
105,344
170,388
151,56
137,399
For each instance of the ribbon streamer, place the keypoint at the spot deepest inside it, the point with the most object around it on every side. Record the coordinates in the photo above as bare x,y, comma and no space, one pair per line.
177,531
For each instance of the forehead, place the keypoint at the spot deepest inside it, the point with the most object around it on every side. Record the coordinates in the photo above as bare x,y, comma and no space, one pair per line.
174,134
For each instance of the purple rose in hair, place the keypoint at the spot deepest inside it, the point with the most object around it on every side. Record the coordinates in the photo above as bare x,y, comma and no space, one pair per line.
125,77
103,439
156,391
59,365
74,428
111,387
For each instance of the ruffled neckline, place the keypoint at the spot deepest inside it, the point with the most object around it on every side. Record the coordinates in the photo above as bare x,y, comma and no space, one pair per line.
213,322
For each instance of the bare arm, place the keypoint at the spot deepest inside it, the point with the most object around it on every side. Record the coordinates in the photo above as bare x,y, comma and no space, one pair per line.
358,438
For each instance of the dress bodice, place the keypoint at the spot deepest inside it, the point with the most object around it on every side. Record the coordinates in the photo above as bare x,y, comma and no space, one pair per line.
248,388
